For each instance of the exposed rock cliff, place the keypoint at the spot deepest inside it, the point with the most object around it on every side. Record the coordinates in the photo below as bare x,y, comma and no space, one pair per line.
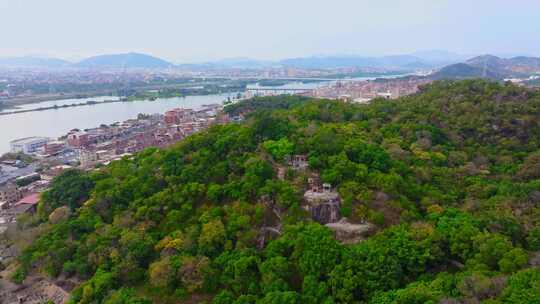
349,233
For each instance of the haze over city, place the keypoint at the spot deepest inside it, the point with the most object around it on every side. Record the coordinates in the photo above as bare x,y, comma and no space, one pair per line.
195,31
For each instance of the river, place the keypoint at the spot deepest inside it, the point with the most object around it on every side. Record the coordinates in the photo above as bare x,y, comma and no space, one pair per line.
55,123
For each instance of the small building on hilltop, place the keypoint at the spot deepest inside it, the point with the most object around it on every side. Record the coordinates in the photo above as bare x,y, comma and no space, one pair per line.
299,162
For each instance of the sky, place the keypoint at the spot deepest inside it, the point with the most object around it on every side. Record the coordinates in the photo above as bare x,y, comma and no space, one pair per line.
185,31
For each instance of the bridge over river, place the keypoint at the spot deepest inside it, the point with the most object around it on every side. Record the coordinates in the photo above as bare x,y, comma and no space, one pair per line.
276,91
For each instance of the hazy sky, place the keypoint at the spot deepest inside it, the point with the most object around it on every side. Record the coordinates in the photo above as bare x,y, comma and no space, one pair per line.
198,30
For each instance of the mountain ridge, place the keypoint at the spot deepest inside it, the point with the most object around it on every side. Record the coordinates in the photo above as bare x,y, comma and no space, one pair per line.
124,60
33,62
490,66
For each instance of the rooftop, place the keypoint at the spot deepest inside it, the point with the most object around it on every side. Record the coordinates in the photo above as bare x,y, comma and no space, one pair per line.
31,199
28,139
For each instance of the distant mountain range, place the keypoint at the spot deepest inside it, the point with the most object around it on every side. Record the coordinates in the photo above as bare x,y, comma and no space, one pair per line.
419,60
33,62
489,66
129,60
449,65
399,61
115,61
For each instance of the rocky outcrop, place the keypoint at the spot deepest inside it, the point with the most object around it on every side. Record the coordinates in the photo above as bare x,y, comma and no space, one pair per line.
534,197
7,253
33,291
266,234
322,202
328,212
348,233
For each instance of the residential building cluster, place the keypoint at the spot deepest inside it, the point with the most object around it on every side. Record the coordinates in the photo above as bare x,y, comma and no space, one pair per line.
364,91
275,72
18,83
108,142
21,195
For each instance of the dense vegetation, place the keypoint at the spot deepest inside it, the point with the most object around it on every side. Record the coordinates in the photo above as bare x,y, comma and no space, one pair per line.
450,176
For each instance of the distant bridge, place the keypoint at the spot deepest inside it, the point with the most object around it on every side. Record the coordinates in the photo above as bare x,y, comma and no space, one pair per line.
279,89
276,91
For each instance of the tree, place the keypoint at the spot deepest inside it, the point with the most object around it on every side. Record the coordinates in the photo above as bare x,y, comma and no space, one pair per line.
239,271
513,260
162,274
315,250
314,292
125,296
374,157
457,231
194,272
530,169
533,239
279,149
95,290
280,297
417,293
523,287
275,274
71,188
490,249
212,237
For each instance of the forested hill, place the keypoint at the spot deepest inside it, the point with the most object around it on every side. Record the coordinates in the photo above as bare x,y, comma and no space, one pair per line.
448,181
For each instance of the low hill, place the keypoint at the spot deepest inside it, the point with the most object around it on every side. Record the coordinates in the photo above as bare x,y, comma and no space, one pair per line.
33,62
431,198
414,61
489,66
128,60
465,71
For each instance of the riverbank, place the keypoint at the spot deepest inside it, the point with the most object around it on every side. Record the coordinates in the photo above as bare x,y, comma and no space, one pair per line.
213,86
146,97
14,102
55,107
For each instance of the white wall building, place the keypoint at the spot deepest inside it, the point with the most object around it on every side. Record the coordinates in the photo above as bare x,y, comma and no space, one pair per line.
87,158
28,145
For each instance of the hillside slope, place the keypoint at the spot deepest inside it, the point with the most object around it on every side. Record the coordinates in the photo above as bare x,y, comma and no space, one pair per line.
33,62
489,66
128,60
449,179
